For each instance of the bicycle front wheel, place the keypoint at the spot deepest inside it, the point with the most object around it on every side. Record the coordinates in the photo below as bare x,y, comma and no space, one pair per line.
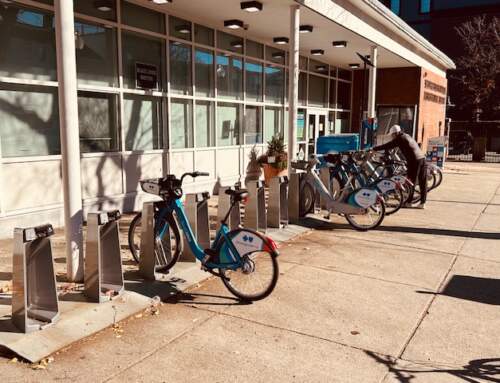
373,218
134,237
394,201
307,199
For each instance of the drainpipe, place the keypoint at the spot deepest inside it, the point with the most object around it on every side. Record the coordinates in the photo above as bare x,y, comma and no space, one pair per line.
293,85
70,140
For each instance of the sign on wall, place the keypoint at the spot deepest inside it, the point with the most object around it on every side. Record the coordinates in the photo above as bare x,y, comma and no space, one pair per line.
436,150
146,76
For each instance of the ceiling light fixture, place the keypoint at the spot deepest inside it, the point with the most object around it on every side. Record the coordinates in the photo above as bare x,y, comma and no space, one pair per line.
237,44
320,68
306,29
162,1
339,44
103,5
233,24
317,52
280,40
184,29
278,55
354,66
251,6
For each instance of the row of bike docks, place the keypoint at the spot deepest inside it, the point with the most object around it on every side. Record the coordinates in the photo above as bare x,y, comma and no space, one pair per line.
35,302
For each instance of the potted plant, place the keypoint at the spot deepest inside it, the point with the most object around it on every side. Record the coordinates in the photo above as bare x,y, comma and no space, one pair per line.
274,161
254,170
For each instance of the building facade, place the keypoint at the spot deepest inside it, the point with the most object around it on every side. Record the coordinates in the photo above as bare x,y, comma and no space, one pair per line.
167,87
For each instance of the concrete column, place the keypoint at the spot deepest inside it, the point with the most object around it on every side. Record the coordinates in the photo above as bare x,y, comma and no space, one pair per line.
372,84
70,141
293,84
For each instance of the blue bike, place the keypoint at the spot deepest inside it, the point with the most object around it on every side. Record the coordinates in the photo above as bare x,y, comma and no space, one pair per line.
244,259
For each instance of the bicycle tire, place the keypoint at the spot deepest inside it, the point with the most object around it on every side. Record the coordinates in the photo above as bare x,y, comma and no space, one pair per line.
351,220
307,198
392,209
135,224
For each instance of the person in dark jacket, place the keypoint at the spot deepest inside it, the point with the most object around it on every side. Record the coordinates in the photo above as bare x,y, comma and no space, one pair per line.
417,168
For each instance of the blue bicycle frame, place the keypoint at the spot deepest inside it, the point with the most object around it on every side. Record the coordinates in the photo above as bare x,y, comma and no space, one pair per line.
232,253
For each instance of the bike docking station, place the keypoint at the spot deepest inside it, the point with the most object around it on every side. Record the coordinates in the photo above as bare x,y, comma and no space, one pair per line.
196,208
35,305
294,198
255,207
103,272
277,211
150,260
224,204
324,175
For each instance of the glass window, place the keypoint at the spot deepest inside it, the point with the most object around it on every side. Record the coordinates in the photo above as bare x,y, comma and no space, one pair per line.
396,6
302,63
302,88
203,35
141,122
273,120
103,9
142,18
331,124
179,28
96,54
255,49
318,67
254,75
275,55
333,93
27,38
142,50
181,124
345,74
204,72
228,124
253,125
333,71
425,6
318,89
301,124
344,95
229,77
275,84
230,42
97,117
342,122
205,122
29,121
180,68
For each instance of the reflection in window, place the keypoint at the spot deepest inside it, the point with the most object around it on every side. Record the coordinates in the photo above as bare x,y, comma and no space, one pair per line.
344,95
425,6
29,121
229,42
203,35
275,55
28,44
318,90
253,125
142,18
275,84
97,117
273,120
181,124
96,60
333,93
342,122
205,121
396,6
180,68
302,88
228,124
255,49
254,71
144,50
141,122
204,72
229,77
301,125
179,28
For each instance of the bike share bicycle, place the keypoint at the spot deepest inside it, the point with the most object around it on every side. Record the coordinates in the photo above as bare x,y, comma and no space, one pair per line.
244,259
363,208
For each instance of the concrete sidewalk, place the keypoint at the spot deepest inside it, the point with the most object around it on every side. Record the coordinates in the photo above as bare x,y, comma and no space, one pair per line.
416,301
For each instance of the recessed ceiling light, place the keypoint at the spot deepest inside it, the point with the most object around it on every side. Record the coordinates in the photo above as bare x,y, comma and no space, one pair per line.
184,29
354,66
251,6
103,5
306,29
237,44
280,40
339,44
233,24
162,1
317,52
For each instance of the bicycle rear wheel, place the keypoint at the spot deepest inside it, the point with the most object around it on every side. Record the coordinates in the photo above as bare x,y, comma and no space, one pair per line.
394,200
373,218
307,198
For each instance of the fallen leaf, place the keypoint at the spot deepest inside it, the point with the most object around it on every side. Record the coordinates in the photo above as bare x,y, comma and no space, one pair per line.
354,332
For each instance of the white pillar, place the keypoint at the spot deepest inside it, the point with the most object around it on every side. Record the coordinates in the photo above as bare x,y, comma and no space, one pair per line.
70,141
293,84
372,84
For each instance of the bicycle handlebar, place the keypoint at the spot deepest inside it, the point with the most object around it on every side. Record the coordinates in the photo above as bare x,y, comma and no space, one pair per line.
194,175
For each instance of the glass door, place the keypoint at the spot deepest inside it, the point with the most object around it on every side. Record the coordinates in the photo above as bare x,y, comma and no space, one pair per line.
317,127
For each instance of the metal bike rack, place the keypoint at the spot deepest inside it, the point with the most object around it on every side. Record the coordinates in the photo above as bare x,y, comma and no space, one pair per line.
294,198
196,207
277,211
324,175
224,205
103,274
34,294
255,208
149,258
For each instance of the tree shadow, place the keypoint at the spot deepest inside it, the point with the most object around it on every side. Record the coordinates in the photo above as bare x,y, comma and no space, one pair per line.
476,371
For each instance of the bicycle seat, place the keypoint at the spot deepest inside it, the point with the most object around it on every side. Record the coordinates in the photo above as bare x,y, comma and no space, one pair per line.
238,195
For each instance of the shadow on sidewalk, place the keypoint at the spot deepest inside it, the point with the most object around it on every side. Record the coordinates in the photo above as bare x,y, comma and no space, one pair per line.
477,371
476,289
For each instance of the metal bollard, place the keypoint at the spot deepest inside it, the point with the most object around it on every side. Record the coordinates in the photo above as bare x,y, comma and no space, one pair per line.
224,205
255,208
324,175
294,198
277,211
103,263
196,207
34,294
150,259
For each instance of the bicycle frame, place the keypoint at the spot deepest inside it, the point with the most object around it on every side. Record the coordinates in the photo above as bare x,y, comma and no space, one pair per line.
178,207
